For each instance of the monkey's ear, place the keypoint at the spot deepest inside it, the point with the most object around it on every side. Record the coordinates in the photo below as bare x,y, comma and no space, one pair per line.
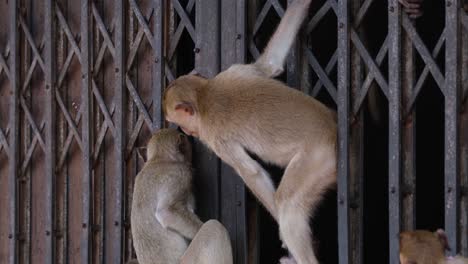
141,151
185,107
442,238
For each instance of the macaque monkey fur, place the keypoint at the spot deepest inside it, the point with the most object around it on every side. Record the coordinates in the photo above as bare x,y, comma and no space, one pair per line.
243,109
162,216
424,247
412,7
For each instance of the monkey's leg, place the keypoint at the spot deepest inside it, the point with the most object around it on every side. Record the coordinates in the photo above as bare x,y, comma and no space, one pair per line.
254,176
302,187
210,245
178,218
272,60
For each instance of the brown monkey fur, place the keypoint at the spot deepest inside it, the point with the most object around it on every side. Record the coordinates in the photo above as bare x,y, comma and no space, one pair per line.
412,7
424,247
162,217
243,109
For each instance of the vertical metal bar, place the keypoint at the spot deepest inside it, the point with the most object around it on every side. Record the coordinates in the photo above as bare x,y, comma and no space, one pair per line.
452,49
207,63
159,61
233,193
464,139
356,136
343,131
408,137
394,49
14,135
86,133
49,35
119,63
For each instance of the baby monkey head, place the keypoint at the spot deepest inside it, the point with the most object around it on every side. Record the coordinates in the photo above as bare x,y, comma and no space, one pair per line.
169,144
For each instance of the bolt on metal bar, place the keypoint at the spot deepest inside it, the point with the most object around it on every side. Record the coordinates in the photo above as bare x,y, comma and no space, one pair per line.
408,135
343,131
50,148
452,86
394,133
14,138
86,132
119,137
160,60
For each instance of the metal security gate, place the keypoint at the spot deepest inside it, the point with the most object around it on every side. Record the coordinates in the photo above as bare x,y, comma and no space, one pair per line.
80,90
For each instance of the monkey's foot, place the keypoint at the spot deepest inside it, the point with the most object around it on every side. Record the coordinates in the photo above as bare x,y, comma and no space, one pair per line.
287,260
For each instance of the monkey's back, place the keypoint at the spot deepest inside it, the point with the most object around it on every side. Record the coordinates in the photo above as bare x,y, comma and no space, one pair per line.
153,243
269,118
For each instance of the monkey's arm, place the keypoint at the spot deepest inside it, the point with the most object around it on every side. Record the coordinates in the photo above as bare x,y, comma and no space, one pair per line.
254,176
177,217
272,60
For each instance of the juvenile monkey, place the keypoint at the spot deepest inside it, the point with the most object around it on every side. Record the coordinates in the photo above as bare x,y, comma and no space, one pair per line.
244,110
162,218
424,247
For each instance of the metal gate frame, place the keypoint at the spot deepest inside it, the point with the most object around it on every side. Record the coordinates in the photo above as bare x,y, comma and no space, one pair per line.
67,140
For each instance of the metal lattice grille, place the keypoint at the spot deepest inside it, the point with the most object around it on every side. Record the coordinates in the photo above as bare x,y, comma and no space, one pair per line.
80,90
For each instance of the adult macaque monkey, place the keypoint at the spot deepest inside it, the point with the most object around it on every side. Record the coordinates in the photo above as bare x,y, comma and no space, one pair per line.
243,110
424,247
162,217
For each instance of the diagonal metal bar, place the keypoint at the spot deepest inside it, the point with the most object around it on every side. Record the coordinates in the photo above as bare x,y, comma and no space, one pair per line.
279,9
102,106
134,136
169,75
424,74
143,23
4,142
318,16
261,17
175,38
103,30
29,74
373,68
31,121
134,48
184,19
331,88
4,67
64,70
100,138
68,141
31,42
425,54
32,147
330,65
63,24
100,58
136,98
362,12
370,77
69,119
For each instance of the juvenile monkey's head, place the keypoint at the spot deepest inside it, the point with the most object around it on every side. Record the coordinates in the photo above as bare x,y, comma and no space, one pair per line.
169,144
423,247
181,102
